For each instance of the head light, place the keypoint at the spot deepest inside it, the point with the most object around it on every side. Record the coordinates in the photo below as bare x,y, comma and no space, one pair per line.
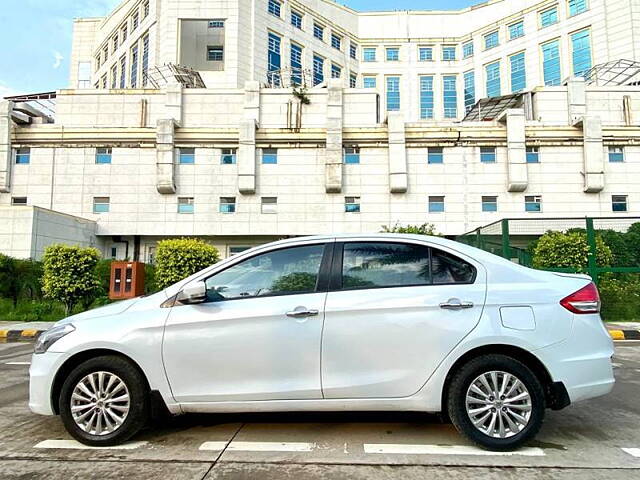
51,336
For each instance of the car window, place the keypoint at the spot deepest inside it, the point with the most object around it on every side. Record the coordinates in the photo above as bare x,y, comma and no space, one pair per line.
281,272
384,265
447,268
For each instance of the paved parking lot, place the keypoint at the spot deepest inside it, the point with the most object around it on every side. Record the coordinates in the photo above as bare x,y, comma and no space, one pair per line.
597,439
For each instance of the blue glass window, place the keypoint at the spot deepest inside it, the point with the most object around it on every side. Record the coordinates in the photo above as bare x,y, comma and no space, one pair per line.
369,82
185,205
123,72
227,204
581,53
448,53
393,94
516,30
318,31
393,54
467,50
318,70
426,97
469,90
215,54
491,40
101,204
488,154
336,71
274,60
489,204
369,54
269,156
619,203
533,155
228,156
551,63
450,97
274,7
435,155
533,203
216,23
577,6
134,66
103,155
493,79
187,155
426,54
518,73
351,155
296,64
353,50
352,204
549,17
23,156
436,204
336,41
616,154
353,80
296,19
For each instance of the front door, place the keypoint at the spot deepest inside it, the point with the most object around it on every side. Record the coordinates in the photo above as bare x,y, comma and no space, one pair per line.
397,311
258,335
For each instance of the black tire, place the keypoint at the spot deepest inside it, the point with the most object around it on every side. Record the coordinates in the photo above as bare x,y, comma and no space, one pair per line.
456,401
136,384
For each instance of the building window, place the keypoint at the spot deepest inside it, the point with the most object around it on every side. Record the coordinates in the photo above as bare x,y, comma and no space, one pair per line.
516,30
114,76
436,204
103,82
269,205
353,50
467,50
336,71
369,82
186,156
123,34
491,40
105,53
577,6
318,31
469,90
216,23
619,203
393,54
581,53
426,97
493,79
435,155
425,54
269,156
114,252
103,155
352,204
488,154
336,41
19,201
393,94
185,205
548,17
351,155
115,43
227,204
145,60
101,204
533,155
489,204
353,80
551,63
518,74
135,21
123,72
369,54
533,203
448,53
235,250
215,53
616,154
228,156
318,70
274,59
296,19
134,67
450,96
274,7
23,156
296,64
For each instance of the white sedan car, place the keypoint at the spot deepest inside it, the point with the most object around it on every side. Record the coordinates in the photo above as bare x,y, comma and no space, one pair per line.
369,322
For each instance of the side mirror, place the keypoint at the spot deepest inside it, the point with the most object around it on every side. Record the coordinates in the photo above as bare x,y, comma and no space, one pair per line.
194,292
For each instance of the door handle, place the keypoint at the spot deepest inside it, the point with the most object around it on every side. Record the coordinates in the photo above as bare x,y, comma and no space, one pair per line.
456,304
302,312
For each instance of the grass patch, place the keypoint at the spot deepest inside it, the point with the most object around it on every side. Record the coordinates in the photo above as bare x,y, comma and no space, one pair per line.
39,310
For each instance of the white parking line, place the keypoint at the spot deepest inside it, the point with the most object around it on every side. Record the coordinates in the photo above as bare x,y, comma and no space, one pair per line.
392,448
632,451
258,446
72,444
18,363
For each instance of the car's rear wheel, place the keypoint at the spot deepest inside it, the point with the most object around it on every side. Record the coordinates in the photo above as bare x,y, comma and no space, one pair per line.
497,402
104,401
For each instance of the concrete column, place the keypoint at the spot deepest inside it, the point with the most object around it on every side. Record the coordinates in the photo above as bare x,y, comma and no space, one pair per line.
577,100
247,157
173,103
593,154
252,101
6,152
398,177
333,152
517,178
165,169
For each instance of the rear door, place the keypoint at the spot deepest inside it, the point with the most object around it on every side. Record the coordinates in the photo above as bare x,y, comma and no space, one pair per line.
393,313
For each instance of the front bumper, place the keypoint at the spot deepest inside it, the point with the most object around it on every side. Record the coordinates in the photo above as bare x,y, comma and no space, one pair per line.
41,375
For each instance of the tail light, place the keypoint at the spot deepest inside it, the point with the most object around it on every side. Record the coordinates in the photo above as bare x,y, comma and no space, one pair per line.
585,300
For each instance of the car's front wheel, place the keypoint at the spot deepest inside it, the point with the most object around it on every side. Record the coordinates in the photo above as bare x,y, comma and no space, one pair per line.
104,401
497,402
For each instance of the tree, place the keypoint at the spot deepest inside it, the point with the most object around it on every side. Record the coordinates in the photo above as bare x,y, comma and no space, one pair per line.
569,250
180,258
19,277
70,275
424,229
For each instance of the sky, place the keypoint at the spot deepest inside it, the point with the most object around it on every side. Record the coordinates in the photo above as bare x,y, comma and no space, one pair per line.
35,36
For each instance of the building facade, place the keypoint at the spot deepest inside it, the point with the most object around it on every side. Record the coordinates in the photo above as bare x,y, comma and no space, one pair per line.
313,118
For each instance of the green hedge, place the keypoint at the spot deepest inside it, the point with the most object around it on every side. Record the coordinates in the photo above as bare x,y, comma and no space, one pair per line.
180,258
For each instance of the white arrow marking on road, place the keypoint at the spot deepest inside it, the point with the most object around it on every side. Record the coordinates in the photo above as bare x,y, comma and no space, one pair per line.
18,363
632,451
444,450
258,446
72,444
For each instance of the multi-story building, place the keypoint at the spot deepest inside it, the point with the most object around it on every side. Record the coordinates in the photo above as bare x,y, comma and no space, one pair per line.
297,118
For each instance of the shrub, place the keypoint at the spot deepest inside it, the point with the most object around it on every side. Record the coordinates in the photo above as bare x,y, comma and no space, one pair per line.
103,271
424,229
180,258
70,275
568,250
620,297
19,278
